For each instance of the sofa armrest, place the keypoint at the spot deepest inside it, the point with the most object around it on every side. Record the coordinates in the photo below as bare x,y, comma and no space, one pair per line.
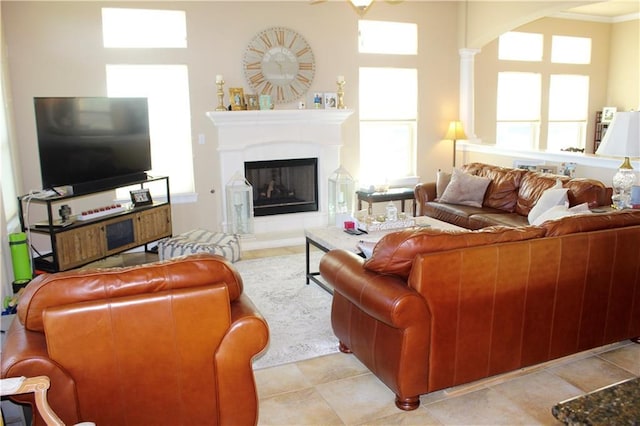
386,298
424,192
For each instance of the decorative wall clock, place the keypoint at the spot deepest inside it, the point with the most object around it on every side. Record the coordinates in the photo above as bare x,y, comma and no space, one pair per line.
279,62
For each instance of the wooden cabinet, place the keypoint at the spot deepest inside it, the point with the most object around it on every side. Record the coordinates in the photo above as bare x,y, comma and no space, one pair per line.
76,247
82,242
153,224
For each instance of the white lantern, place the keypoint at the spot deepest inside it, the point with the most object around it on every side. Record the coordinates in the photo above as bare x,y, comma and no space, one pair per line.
341,197
239,205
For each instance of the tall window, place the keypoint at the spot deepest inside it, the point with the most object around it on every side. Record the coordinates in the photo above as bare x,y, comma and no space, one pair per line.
518,121
388,112
166,86
568,100
520,94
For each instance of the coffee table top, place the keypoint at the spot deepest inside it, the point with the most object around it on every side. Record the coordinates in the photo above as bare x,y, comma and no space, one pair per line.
333,237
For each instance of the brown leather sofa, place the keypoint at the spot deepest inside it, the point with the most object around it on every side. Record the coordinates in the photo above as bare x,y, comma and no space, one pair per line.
434,309
509,197
164,343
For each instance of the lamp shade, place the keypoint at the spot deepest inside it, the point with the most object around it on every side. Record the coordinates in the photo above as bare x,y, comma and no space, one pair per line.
456,131
622,138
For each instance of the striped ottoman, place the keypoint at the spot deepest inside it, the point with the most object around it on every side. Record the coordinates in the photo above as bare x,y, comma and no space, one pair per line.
200,241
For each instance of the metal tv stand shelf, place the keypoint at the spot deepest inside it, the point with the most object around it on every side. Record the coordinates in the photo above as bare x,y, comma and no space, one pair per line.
79,242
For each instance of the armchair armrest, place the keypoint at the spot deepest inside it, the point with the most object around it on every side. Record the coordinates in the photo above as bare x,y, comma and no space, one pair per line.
25,354
248,336
386,298
424,192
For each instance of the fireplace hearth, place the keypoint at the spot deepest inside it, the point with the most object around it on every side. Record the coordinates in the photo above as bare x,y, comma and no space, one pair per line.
283,186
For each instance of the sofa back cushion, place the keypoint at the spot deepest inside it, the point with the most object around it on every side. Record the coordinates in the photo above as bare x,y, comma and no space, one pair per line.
592,222
395,252
589,191
502,192
69,287
531,189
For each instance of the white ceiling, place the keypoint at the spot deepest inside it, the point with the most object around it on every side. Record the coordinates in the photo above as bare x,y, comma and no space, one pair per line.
609,9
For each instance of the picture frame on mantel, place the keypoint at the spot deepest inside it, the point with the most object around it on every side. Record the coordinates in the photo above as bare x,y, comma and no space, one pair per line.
252,102
236,94
330,100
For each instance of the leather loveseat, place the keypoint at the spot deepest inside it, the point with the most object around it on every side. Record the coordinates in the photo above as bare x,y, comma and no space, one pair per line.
169,342
509,197
432,309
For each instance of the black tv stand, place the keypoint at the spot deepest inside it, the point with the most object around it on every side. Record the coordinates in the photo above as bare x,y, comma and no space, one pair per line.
79,242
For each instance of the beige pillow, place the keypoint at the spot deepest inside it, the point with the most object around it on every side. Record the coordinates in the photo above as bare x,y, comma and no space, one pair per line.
465,189
442,181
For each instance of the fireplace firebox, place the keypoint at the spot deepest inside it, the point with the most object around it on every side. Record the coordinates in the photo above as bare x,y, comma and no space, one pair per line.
283,186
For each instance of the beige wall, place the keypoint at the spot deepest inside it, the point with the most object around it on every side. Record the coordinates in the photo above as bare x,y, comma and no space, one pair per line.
486,20
55,50
624,67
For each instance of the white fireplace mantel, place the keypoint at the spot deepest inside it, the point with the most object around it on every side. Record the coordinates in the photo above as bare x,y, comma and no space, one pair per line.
239,129
281,134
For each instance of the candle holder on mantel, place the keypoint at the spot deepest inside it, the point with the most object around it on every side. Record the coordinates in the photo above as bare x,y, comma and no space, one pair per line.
340,83
220,84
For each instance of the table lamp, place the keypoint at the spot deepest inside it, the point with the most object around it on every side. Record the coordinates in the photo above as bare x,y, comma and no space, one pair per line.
455,132
622,139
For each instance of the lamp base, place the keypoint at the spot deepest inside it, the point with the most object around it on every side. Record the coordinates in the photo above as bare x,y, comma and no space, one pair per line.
623,180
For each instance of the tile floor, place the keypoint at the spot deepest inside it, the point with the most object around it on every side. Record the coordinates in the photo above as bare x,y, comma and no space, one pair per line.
338,390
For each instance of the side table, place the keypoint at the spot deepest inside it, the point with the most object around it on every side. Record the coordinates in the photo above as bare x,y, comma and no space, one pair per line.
393,194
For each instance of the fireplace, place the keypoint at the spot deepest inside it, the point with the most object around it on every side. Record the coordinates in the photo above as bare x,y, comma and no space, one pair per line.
247,136
283,186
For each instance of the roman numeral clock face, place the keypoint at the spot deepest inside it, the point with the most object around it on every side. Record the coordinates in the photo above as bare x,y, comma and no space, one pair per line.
279,62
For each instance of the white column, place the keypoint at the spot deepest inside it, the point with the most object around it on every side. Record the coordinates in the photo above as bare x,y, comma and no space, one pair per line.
467,88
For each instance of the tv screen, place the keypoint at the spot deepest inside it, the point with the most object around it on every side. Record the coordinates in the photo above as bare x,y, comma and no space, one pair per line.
92,143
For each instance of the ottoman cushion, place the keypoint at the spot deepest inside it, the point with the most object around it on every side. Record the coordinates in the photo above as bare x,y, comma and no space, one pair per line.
200,241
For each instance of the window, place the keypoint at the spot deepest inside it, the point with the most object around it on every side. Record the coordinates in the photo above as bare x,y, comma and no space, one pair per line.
570,50
520,96
167,89
568,100
518,114
165,86
9,194
393,38
388,112
144,28
517,46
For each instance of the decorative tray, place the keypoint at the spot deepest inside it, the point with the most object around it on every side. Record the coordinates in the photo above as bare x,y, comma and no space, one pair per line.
387,225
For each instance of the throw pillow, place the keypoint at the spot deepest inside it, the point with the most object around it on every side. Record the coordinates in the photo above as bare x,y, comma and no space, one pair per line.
465,189
554,196
442,181
557,212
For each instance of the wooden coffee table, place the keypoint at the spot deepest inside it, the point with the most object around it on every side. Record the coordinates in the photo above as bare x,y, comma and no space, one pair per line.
332,237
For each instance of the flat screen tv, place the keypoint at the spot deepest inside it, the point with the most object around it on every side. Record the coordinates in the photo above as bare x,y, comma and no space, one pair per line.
92,143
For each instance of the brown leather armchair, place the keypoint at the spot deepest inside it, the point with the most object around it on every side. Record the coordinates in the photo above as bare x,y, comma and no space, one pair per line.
164,343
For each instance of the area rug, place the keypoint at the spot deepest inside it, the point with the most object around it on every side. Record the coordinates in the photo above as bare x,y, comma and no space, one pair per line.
298,314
